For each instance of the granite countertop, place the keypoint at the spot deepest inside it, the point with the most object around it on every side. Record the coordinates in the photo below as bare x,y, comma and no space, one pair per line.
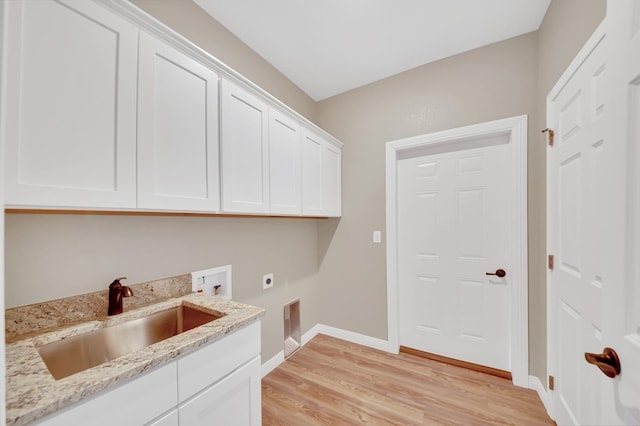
33,393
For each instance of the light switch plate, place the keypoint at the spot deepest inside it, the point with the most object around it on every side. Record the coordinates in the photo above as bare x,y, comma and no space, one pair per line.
377,236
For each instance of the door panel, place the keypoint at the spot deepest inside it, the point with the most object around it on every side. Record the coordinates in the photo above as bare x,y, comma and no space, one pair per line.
574,199
453,226
620,161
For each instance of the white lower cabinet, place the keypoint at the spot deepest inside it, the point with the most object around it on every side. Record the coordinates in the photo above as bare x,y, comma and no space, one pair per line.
169,419
235,400
216,384
134,403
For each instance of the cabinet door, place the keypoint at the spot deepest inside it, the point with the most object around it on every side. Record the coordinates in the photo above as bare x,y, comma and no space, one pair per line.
233,401
169,419
70,105
332,180
284,164
177,130
135,402
312,175
245,148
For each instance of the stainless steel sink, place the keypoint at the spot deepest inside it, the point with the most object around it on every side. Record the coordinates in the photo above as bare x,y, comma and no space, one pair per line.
69,356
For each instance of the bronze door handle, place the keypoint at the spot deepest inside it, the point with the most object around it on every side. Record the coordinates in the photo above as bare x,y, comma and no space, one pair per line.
607,361
499,272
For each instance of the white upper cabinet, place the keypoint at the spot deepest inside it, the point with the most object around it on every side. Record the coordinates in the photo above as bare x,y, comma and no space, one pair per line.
332,180
245,151
69,105
177,130
98,114
284,164
312,174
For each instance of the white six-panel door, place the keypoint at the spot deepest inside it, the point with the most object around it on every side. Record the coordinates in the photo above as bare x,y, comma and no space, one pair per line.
622,208
70,118
177,130
577,111
454,225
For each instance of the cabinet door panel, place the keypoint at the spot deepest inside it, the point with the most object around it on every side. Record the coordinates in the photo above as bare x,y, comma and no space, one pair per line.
245,160
284,164
234,401
70,120
177,130
312,175
332,180
135,402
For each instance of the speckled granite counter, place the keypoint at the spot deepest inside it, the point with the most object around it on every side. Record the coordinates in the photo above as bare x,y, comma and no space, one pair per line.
33,393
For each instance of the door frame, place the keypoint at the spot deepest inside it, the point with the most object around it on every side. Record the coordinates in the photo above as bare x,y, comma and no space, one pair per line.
516,127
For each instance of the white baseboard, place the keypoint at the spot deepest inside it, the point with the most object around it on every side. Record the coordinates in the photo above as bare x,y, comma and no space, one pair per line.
536,385
338,333
273,363
352,337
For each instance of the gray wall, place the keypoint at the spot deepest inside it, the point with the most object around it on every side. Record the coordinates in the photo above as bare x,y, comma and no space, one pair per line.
331,264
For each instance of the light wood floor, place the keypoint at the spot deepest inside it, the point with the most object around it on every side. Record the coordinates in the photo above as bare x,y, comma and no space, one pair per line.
333,382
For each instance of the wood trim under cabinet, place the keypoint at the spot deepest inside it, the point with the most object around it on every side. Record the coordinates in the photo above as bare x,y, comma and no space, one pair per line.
139,213
451,361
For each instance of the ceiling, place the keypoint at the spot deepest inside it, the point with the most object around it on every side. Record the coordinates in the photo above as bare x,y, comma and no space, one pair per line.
327,47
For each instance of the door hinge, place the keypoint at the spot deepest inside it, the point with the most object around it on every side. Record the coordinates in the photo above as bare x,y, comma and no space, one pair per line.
552,383
550,137
550,262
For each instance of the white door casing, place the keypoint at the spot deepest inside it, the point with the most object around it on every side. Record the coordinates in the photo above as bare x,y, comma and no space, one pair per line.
454,225
576,111
516,128
621,308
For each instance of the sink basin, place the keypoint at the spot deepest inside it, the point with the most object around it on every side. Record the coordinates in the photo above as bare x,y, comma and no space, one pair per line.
69,356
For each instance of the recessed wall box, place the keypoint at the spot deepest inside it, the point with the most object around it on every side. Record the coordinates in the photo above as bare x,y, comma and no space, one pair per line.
213,281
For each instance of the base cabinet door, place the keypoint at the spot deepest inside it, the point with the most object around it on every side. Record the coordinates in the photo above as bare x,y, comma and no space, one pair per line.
177,130
136,402
169,419
233,401
70,117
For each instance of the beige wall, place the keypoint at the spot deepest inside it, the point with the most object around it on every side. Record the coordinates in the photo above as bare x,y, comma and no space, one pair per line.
505,79
188,19
485,84
53,256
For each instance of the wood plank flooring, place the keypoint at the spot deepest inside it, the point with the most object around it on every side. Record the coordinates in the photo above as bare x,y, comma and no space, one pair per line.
334,382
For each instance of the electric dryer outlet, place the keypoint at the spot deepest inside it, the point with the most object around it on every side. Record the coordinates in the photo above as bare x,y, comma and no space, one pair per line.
267,281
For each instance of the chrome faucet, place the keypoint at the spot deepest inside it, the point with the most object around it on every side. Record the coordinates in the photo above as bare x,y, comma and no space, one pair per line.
116,292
